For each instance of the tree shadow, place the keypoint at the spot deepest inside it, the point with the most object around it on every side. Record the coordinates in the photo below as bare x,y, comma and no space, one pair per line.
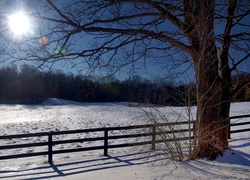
217,169
234,164
242,145
235,157
53,170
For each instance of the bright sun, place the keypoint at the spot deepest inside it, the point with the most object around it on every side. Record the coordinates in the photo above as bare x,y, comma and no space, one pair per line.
19,23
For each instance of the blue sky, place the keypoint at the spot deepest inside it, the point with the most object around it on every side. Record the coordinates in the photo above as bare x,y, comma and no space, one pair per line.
150,67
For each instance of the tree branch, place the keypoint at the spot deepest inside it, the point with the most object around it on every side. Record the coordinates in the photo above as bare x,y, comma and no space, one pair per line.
240,61
152,34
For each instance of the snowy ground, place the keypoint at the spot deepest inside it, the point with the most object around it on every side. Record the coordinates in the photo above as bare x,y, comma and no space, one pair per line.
125,163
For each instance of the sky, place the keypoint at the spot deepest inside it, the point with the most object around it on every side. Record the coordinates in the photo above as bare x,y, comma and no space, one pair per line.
152,69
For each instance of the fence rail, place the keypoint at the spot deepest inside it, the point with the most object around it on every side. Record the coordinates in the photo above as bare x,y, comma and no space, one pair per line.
238,124
152,131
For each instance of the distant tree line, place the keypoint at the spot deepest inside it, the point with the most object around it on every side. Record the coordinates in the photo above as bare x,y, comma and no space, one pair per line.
29,85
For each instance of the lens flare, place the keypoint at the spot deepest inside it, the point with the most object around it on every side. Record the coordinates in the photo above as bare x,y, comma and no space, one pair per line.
60,51
43,40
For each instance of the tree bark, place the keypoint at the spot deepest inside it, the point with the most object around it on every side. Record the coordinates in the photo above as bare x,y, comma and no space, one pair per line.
211,110
211,98
225,71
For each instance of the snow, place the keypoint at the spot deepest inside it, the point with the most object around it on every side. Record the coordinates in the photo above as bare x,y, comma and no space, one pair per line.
139,162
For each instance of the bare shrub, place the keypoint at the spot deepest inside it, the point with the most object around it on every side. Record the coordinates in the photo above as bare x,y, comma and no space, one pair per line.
177,141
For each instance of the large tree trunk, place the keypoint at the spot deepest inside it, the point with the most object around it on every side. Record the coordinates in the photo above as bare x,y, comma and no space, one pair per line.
212,109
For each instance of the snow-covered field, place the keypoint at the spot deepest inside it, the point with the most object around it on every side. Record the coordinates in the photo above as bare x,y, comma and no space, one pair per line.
125,163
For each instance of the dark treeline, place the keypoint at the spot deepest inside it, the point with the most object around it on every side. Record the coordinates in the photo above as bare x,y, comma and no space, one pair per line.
29,85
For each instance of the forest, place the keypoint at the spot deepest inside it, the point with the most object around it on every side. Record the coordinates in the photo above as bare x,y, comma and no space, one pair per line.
28,85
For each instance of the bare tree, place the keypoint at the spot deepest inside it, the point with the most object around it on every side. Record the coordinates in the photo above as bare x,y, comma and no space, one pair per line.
213,36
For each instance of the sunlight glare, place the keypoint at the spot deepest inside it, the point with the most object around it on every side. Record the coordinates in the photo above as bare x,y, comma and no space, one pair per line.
19,23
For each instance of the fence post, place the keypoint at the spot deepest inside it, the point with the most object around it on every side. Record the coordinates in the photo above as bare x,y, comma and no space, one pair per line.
153,136
228,129
194,133
50,151
106,134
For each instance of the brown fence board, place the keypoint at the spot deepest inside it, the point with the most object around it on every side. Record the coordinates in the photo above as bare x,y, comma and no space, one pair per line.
240,116
24,135
130,136
24,155
176,139
240,124
77,140
14,146
174,131
240,130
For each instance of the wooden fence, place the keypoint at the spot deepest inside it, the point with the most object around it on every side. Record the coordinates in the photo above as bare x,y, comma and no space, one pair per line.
149,130
238,124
